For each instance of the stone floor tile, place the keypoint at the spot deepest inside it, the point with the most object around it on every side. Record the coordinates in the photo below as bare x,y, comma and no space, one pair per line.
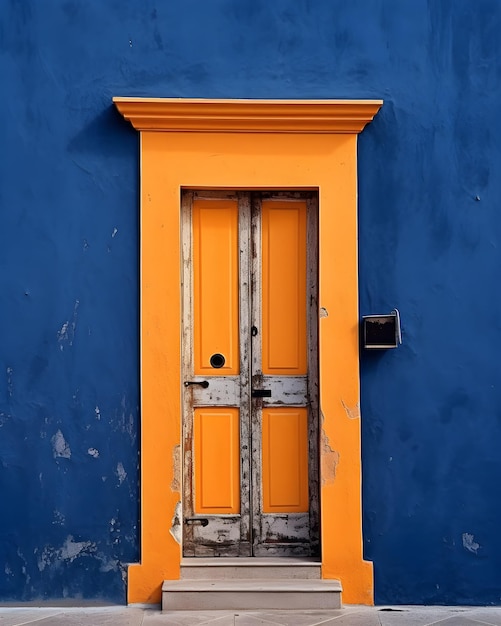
485,615
187,618
459,620
297,618
245,619
416,615
18,616
354,618
114,616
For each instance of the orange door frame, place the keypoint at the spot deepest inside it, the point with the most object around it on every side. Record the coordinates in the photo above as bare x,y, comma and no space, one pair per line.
246,144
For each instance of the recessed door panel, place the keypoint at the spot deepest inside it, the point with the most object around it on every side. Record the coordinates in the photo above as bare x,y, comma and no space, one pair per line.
285,460
284,287
215,285
216,463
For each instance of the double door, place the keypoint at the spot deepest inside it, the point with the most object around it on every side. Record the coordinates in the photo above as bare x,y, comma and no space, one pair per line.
250,381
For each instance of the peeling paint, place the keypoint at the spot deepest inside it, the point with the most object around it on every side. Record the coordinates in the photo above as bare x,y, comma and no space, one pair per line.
66,334
124,420
60,448
59,519
329,460
115,231
121,473
93,452
97,412
353,412
24,566
469,543
73,549
323,312
176,527
176,468
10,386
68,552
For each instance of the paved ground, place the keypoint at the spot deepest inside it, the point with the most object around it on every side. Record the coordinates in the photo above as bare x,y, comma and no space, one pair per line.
348,616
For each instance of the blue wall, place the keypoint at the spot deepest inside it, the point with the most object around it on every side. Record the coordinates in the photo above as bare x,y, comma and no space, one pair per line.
429,232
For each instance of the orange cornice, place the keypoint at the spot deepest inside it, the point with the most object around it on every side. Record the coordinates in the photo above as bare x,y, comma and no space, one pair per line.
248,116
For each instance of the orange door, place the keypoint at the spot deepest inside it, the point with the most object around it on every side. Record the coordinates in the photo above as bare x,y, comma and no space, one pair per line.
250,383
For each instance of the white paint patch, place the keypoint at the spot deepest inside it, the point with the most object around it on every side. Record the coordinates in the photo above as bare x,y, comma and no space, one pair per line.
175,529
62,334
73,549
10,386
469,543
7,570
60,447
70,551
59,519
98,413
23,568
108,565
115,231
67,332
121,473
93,452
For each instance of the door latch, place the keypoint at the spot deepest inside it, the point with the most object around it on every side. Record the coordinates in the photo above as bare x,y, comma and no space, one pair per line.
202,383
261,393
203,521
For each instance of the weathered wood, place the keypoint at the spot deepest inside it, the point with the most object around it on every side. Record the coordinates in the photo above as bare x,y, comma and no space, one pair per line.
252,531
223,535
313,374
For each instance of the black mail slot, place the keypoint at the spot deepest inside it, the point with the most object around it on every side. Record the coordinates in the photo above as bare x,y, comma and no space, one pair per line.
261,393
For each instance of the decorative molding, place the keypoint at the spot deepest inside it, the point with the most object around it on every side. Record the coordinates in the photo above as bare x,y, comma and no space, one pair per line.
248,116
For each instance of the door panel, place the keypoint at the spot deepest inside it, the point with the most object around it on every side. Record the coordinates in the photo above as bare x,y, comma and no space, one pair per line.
215,285
251,424
283,233
285,460
216,464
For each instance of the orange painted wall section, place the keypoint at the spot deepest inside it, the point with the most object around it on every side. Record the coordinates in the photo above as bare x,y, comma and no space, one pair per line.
341,508
285,460
215,285
217,460
327,162
284,287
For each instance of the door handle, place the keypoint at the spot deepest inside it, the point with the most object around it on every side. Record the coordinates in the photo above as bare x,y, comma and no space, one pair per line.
261,393
202,383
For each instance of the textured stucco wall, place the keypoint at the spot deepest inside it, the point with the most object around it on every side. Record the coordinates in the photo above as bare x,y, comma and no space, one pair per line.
429,232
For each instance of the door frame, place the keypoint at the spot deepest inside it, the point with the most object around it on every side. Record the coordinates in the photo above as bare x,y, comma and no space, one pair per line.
275,144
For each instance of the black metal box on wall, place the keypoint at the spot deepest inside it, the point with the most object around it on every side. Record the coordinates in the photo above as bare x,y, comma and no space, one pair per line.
380,332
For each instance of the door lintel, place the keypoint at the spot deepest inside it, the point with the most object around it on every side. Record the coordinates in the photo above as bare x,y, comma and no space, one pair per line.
248,116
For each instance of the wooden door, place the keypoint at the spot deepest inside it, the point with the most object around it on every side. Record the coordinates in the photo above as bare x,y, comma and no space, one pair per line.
250,374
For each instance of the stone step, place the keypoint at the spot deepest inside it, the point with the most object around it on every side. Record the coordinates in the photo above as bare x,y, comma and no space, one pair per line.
240,595
250,568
